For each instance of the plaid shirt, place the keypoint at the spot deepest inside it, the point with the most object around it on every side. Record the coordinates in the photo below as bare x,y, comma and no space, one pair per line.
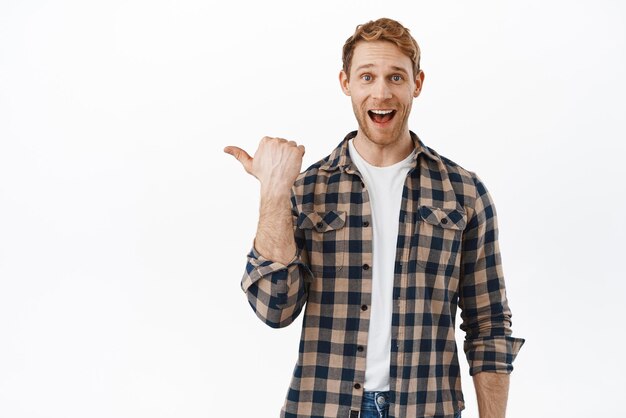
447,255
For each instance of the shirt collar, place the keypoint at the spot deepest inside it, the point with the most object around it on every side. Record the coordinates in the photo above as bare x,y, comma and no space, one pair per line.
340,157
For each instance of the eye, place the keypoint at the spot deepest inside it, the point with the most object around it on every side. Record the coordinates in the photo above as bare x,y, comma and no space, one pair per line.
396,78
366,77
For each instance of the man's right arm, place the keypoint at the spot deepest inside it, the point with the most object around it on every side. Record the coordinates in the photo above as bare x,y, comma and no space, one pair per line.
274,276
274,235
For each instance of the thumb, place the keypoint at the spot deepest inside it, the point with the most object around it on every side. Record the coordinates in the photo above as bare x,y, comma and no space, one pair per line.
241,156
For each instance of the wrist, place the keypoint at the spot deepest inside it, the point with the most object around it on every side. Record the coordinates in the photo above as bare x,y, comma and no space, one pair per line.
275,192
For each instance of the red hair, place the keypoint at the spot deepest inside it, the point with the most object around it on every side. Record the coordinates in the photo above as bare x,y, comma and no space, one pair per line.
383,29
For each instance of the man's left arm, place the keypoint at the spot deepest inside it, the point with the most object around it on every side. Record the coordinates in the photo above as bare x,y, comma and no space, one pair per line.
489,347
492,392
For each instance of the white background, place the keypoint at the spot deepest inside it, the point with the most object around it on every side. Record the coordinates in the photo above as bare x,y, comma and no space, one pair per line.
124,228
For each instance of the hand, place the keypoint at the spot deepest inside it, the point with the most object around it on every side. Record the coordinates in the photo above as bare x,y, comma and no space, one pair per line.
276,163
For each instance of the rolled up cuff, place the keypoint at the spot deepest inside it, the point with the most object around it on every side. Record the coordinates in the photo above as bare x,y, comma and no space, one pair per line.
492,354
259,266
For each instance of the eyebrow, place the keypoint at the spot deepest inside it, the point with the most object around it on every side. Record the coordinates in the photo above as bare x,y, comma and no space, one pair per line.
395,68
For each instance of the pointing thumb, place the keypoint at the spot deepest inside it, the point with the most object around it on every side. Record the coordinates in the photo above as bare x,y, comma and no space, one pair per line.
241,156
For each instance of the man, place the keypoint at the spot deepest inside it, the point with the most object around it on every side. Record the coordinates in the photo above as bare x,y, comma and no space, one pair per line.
378,243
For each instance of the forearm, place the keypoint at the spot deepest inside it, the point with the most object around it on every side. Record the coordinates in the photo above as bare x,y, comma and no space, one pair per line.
275,288
492,391
274,238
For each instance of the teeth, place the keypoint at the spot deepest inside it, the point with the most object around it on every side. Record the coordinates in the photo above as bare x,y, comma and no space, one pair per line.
382,112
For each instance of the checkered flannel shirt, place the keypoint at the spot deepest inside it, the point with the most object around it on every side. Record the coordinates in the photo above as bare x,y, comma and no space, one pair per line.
447,255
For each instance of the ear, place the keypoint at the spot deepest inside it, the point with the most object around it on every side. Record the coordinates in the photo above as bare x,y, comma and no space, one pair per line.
344,82
419,82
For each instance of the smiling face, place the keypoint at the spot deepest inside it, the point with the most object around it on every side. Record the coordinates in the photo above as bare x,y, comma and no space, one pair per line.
381,87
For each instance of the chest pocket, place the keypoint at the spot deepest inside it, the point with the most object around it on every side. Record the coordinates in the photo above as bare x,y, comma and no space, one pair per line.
325,235
439,234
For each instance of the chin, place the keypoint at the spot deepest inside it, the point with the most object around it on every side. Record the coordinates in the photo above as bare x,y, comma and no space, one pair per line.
382,137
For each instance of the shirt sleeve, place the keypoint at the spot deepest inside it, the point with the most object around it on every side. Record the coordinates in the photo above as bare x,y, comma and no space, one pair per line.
277,292
486,316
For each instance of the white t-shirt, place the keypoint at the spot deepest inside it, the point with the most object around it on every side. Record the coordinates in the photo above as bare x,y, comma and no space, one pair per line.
384,186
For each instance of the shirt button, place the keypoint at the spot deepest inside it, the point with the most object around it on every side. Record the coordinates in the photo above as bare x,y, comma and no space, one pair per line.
444,221
364,307
366,224
360,349
319,224
366,267
362,184
357,386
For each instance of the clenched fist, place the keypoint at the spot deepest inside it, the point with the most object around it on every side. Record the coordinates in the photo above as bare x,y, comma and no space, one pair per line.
276,163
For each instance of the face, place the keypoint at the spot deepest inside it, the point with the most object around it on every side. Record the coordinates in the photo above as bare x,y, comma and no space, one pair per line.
381,87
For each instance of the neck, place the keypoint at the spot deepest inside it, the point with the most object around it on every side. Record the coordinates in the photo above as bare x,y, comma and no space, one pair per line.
383,154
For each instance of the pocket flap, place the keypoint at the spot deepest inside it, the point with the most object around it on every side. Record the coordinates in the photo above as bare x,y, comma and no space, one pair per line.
322,221
445,218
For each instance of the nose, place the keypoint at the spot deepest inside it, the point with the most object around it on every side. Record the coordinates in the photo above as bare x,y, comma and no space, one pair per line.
381,90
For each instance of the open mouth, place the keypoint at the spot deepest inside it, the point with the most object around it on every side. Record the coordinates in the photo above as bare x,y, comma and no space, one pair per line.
381,116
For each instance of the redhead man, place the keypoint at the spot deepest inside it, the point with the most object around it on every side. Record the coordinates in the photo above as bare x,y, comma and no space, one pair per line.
377,245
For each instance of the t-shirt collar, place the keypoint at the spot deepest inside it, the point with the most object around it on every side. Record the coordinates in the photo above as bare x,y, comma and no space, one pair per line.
340,157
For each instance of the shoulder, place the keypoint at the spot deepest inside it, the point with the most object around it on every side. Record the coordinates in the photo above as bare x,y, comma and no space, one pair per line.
451,166
469,190
466,183
315,181
326,167
312,171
